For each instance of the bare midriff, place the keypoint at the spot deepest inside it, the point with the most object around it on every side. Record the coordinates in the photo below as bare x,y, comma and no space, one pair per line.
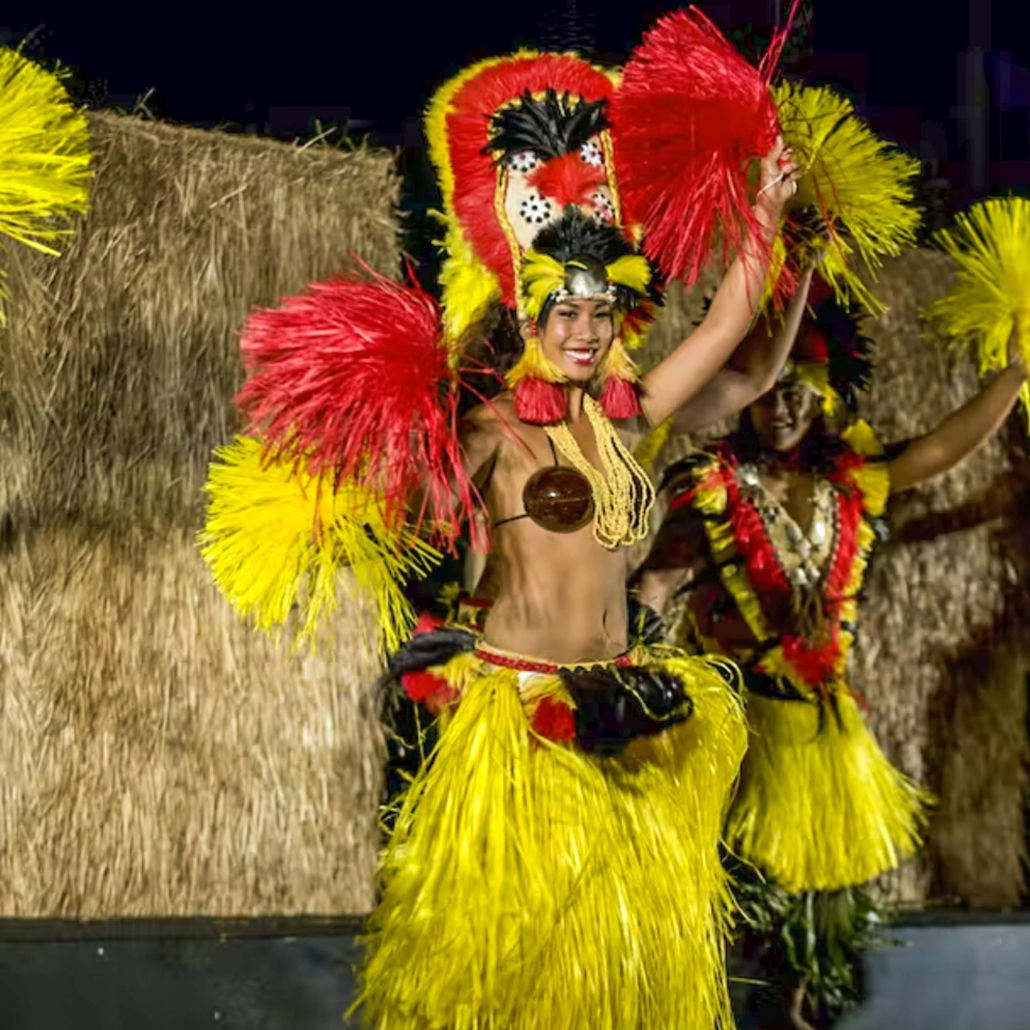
557,596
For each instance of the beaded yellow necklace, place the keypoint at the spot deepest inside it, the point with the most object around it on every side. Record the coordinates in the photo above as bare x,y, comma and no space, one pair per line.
623,493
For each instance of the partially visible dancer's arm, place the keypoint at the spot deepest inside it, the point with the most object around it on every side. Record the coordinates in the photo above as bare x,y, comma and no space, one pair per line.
694,363
962,432
751,370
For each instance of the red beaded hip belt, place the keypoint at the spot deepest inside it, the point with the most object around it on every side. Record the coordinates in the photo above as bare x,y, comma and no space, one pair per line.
522,664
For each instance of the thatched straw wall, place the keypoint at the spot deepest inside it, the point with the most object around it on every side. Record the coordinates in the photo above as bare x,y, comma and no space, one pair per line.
156,756
945,633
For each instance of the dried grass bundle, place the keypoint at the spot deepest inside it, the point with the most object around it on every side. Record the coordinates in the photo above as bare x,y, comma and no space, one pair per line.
159,757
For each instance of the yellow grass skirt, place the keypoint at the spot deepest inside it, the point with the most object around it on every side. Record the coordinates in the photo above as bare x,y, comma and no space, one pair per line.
530,886
820,808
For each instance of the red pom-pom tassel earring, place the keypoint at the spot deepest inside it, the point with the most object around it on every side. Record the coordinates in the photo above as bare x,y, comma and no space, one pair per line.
538,387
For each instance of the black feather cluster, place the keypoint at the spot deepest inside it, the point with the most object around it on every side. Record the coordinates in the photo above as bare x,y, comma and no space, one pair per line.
617,705
577,234
850,351
557,125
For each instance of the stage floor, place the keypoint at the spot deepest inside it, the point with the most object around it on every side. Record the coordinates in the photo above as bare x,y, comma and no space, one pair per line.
951,971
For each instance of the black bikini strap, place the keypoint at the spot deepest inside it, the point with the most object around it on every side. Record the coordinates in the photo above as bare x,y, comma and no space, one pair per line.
513,518
525,515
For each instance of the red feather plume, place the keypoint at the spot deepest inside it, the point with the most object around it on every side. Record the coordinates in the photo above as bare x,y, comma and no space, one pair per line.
352,377
567,179
688,118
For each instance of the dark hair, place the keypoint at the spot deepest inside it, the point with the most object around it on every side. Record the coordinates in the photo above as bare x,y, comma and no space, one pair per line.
493,348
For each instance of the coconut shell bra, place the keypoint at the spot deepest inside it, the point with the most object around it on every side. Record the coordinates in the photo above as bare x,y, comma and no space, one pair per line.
617,499
557,498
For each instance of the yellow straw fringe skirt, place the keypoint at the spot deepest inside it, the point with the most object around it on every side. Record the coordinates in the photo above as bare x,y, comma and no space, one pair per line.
529,885
820,808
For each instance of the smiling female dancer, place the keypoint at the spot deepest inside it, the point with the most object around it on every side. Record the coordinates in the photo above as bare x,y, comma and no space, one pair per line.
553,862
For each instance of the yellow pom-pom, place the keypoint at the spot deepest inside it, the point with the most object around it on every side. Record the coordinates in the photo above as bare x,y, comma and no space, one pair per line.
858,183
631,271
817,377
991,245
873,478
276,538
44,154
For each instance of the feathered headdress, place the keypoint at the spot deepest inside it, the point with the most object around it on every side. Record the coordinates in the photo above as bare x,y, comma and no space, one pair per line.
548,164
831,355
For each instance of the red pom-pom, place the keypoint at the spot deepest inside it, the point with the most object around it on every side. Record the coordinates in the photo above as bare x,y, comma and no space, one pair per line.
567,179
421,685
430,690
814,665
554,720
352,377
688,117
619,398
427,622
539,402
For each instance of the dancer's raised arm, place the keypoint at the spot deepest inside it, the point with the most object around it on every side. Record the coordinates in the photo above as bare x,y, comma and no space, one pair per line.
696,361
963,431
751,370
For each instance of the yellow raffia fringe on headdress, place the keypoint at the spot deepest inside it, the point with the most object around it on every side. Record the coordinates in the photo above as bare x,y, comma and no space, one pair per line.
533,364
859,184
541,275
991,245
618,364
630,270
468,287
817,376
275,540
44,155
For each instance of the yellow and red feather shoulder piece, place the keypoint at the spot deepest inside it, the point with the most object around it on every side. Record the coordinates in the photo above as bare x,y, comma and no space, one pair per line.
352,380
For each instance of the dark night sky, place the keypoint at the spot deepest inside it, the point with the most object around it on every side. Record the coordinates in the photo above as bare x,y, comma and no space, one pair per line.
377,63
